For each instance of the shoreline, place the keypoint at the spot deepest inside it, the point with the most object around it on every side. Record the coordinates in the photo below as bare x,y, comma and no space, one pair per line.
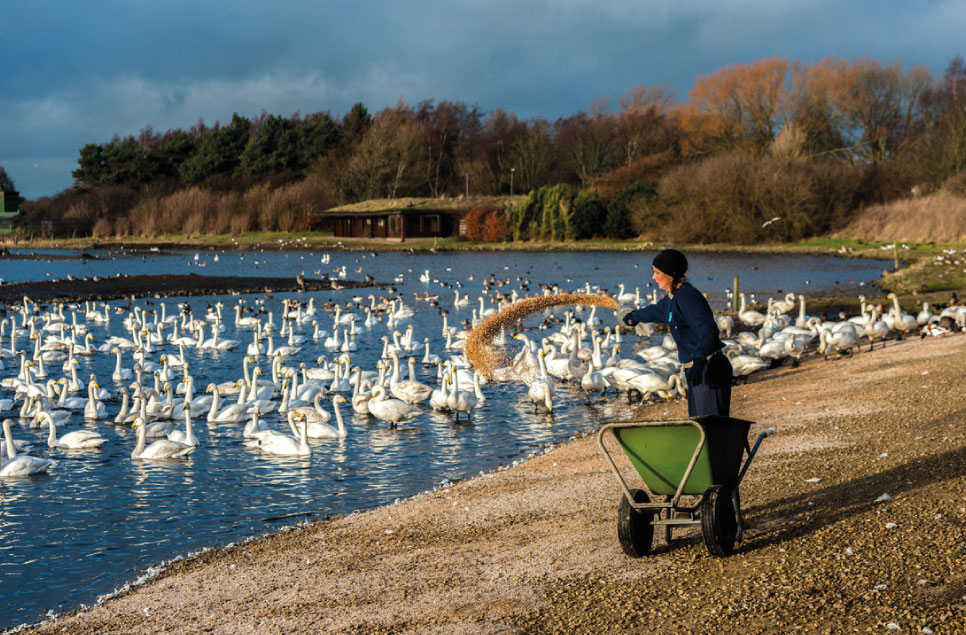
309,241
533,547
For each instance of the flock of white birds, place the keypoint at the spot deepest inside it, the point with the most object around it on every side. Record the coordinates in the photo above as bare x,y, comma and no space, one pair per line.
159,369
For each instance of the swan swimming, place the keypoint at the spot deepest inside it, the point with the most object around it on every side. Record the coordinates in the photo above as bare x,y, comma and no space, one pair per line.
19,464
160,449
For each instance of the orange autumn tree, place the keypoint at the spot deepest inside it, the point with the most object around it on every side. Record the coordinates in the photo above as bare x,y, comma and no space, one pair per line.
740,106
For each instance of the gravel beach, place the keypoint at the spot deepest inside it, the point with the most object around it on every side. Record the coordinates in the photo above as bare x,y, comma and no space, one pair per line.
856,509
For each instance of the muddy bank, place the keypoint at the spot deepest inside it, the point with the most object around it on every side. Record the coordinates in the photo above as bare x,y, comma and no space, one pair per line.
96,288
6,254
856,519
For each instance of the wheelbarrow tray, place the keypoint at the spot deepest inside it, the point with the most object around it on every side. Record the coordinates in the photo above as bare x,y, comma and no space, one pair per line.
705,450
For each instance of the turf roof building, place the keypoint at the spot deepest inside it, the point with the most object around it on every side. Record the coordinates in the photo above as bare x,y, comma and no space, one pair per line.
403,218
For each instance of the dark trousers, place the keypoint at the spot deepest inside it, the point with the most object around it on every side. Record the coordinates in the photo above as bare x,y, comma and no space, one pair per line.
709,386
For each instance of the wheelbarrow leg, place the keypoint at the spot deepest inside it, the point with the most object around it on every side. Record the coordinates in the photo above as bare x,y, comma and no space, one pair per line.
739,519
668,514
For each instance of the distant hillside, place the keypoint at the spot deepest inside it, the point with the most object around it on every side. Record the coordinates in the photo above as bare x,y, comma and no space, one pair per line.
939,217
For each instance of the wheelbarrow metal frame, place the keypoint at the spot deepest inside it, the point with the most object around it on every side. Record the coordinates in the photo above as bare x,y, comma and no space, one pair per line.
674,504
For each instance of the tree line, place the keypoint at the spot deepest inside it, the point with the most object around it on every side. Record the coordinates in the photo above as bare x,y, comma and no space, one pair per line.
771,150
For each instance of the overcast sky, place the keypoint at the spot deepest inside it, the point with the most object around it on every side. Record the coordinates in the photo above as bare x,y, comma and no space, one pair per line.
74,72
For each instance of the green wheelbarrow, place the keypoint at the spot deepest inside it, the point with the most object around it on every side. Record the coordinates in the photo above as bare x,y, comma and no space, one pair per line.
694,466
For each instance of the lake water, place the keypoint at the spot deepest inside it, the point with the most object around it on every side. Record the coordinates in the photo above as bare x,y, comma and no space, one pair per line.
99,519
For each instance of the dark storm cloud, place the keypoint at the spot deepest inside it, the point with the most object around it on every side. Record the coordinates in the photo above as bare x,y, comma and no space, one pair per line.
75,73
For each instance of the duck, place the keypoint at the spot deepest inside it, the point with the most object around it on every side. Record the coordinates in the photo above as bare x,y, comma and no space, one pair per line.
159,450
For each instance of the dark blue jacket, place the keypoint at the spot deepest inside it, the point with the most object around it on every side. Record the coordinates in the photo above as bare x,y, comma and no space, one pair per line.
690,319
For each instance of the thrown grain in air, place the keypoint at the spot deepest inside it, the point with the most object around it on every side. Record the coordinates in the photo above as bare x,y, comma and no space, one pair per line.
478,350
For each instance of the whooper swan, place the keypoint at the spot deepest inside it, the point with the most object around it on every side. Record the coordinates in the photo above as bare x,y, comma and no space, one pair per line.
19,464
160,449
75,440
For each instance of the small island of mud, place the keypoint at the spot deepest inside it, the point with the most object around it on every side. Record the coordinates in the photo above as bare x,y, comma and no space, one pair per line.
96,288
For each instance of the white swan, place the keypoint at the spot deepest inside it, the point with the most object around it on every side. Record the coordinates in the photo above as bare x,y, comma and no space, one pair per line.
410,391
319,430
185,436
94,409
69,403
75,440
439,398
747,316
314,413
840,341
283,444
19,464
904,323
460,400
120,374
390,410
540,391
160,449
230,414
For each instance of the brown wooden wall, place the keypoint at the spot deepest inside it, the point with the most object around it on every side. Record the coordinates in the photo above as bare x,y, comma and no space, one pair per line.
393,225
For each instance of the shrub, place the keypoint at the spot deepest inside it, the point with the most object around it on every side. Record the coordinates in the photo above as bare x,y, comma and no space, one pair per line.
475,220
741,198
589,213
486,225
617,223
495,227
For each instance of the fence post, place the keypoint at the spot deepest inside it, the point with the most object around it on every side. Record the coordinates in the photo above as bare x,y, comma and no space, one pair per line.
734,298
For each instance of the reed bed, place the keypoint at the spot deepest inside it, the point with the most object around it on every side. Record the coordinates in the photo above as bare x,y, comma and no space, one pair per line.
478,348
937,217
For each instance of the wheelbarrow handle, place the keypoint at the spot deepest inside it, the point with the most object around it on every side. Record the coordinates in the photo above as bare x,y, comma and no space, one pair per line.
751,454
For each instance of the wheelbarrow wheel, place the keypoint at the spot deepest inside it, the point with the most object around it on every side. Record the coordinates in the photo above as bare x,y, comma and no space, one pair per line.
718,524
634,529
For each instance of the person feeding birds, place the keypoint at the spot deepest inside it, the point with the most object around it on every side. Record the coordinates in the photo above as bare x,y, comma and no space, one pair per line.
691,322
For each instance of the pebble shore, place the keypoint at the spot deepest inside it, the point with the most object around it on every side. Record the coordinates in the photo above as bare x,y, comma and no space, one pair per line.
856,509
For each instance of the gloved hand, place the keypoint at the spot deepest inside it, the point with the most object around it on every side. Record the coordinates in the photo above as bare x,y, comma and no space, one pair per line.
624,315
695,374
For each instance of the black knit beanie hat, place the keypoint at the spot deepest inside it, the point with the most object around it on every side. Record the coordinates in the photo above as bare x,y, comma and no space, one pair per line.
672,262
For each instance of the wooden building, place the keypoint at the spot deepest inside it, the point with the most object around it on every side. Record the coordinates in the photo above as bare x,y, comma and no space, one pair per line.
405,218
393,224
393,219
